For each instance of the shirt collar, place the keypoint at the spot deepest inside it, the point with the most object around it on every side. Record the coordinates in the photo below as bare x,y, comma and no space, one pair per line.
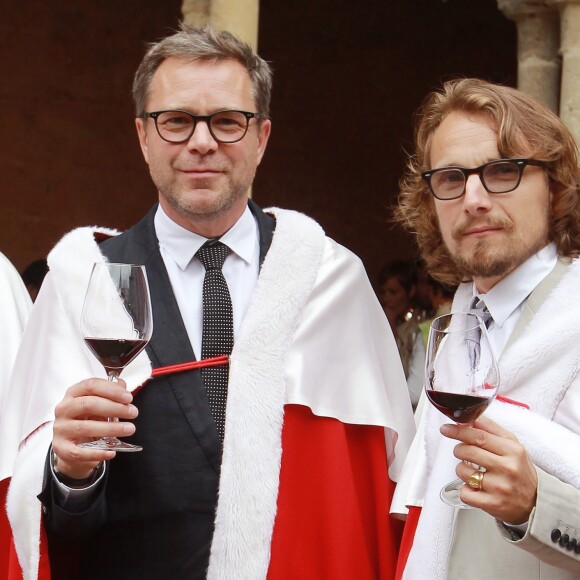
509,293
182,244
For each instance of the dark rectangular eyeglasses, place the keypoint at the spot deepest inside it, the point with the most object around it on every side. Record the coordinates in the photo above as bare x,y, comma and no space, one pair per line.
224,126
499,176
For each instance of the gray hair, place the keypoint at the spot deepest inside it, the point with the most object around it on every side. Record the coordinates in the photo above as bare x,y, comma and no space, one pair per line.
206,44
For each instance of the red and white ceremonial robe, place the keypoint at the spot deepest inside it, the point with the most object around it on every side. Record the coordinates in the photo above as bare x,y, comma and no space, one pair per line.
318,415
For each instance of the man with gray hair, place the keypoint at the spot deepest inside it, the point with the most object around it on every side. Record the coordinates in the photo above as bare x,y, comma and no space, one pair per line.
281,466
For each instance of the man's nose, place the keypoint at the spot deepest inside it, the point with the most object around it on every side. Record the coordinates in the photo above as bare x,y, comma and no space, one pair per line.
201,139
476,197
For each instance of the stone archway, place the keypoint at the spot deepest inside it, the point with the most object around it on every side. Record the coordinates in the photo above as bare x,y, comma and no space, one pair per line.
237,16
549,54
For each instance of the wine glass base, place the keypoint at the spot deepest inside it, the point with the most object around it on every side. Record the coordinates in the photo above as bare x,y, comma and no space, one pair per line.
111,444
450,495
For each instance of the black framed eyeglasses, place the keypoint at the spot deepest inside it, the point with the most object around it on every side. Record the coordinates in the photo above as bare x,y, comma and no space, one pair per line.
224,126
499,176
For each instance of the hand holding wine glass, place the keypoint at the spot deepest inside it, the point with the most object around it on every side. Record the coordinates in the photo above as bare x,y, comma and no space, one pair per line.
461,375
116,323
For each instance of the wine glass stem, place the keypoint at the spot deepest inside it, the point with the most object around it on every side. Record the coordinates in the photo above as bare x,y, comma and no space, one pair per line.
113,377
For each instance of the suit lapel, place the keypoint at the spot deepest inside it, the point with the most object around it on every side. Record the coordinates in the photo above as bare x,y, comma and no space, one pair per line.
536,299
266,226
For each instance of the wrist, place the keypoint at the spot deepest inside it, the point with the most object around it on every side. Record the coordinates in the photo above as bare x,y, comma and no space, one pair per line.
71,481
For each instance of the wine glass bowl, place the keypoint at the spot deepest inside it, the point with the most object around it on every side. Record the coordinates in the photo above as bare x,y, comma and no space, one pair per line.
116,323
461,374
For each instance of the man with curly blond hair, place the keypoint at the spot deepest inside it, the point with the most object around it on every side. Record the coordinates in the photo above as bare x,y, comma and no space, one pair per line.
492,196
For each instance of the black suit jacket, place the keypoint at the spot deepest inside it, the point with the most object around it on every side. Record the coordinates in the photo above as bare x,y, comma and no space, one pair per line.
154,517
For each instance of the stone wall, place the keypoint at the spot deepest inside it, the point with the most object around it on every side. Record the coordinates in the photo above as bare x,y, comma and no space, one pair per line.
348,76
68,149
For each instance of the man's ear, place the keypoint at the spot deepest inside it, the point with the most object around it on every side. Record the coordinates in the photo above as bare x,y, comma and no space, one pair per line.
143,138
263,136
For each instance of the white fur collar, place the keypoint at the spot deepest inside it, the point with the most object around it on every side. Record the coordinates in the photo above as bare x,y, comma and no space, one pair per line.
71,262
252,446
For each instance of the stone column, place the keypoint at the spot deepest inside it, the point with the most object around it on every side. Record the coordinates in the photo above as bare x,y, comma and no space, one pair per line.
196,12
570,51
538,40
238,16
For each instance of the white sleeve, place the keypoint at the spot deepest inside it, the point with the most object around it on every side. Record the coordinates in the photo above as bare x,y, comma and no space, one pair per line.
15,306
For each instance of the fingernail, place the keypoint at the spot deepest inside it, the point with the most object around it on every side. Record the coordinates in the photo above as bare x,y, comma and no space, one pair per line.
133,411
129,428
127,397
445,429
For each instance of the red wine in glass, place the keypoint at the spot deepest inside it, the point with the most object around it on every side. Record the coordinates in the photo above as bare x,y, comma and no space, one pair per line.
115,353
117,323
461,375
461,408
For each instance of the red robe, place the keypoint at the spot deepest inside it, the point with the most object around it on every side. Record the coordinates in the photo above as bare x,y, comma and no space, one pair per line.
325,464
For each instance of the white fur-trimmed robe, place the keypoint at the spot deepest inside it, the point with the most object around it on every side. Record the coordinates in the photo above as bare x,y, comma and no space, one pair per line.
15,306
313,335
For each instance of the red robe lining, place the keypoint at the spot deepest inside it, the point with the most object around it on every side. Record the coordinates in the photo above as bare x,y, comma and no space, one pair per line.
333,505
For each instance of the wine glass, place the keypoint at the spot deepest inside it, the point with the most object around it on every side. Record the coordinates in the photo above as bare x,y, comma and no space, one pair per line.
116,323
461,375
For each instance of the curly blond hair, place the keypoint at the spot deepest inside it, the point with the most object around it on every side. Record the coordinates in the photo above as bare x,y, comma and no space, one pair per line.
525,128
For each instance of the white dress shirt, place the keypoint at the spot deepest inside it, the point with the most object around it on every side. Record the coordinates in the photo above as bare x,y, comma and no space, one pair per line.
186,273
505,300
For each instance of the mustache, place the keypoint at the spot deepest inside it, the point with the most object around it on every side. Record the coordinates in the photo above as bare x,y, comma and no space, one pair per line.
495,222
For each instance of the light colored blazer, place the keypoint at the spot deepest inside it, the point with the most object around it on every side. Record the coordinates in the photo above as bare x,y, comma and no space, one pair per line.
557,505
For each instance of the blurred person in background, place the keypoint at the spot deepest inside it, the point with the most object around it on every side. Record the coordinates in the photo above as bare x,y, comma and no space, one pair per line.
422,305
33,275
397,286
441,298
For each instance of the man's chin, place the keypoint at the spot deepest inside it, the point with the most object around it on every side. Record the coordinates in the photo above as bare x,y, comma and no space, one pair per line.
207,205
493,260
203,211
491,268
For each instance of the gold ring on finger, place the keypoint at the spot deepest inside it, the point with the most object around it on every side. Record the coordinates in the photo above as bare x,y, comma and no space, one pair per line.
475,480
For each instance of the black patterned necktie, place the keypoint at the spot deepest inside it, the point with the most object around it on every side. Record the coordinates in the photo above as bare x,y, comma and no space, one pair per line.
218,328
